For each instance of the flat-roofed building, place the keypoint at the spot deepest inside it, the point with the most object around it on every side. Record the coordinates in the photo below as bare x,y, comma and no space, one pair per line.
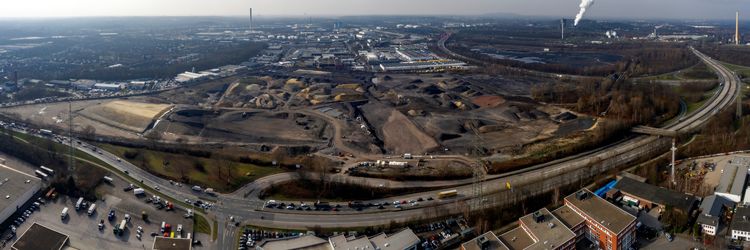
648,196
39,237
607,226
16,188
572,220
166,243
732,181
486,241
305,242
547,231
402,240
517,239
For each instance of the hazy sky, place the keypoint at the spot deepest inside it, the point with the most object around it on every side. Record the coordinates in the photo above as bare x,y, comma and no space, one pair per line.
694,9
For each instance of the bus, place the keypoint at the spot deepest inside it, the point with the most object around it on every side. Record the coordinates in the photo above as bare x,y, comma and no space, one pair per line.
41,174
47,170
447,194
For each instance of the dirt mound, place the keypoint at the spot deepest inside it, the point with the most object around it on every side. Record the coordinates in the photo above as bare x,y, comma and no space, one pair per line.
402,136
566,116
488,101
126,115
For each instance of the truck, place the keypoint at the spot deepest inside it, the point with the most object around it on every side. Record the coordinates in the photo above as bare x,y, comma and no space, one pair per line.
447,194
209,191
163,226
79,203
108,179
64,213
120,228
41,174
139,191
92,209
47,170
45,132
197,188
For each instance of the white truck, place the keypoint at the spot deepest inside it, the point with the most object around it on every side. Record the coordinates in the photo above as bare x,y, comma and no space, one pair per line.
139,191
64,213
92,209
197,188
79,203
108,179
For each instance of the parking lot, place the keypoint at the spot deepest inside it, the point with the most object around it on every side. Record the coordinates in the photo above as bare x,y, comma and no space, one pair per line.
84,231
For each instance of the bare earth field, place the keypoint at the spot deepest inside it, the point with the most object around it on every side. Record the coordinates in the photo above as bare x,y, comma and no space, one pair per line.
243,126
127,115
402,136
115,118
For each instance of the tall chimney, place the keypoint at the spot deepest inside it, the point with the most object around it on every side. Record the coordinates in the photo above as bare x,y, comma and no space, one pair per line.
251,19
562,29
737,28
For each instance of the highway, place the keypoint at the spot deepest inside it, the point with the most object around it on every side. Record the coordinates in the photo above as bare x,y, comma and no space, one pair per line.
526,182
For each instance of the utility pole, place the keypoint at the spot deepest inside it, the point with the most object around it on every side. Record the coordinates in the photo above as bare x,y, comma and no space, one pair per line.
71,161
674,151
479,174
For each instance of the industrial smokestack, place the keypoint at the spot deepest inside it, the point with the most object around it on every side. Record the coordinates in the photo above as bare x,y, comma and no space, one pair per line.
251,19
737,28
562,29
585,4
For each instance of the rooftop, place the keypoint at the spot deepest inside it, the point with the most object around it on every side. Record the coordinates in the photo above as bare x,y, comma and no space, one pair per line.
401,240
13,184
39,237
741,219
491,240
567,216
162,243
733,177
344,243
712,205
654,194
547,230
608,215
516,239
307,242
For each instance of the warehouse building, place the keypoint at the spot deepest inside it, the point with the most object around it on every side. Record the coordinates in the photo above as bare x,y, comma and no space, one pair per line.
732,181
17,188
648,196
39,237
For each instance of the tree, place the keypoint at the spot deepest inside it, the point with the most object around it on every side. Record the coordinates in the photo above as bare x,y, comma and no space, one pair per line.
89,132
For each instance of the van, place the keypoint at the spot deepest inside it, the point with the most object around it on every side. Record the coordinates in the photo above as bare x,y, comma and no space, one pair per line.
64,213
92,209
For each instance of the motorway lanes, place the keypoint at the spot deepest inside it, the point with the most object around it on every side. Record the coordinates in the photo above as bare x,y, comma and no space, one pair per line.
549,175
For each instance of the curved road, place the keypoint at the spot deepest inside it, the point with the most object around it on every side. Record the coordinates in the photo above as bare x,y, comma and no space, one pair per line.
549,176
252,212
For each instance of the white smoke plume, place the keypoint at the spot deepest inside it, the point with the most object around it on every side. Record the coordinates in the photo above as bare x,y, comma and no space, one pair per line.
585,4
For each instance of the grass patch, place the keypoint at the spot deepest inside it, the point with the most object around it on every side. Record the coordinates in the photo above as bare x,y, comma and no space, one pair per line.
215,231
221,174
201,224
304,189
742,71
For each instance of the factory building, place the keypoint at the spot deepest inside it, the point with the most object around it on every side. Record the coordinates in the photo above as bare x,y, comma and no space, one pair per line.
17,188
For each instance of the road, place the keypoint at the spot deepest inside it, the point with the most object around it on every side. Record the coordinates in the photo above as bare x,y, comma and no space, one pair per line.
624,151
544,177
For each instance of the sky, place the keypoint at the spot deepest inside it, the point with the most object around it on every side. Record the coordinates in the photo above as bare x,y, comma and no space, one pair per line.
634,9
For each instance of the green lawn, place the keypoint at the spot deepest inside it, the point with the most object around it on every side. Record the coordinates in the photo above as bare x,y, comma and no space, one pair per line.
201,224
740,70
207,172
